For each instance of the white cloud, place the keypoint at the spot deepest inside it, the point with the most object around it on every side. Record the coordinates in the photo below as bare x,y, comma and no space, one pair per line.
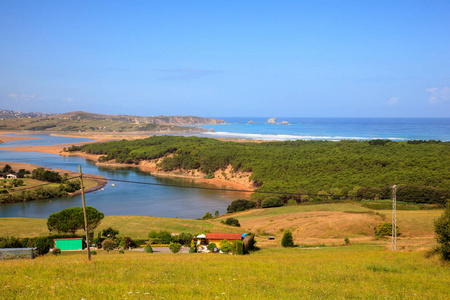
393,101
22,96
438,95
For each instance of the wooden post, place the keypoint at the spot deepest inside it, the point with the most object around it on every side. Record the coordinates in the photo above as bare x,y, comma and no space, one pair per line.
85,217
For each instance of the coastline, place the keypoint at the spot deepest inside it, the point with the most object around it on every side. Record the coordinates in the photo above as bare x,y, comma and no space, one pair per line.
219,180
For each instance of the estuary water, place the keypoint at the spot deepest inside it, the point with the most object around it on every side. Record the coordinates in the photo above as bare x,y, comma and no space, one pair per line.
123,198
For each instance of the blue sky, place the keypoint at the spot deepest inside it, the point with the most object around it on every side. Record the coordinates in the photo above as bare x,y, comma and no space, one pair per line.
227,58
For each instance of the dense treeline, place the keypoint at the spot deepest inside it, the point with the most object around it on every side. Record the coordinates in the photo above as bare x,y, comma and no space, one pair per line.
359,169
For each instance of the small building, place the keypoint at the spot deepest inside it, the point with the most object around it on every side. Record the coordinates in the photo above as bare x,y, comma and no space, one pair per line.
69,244
16,253
11,176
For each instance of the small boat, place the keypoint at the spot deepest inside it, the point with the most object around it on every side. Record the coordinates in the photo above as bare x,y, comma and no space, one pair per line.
113,184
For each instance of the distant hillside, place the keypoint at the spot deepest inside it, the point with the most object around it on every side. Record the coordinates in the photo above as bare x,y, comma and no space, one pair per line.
9,114
80,121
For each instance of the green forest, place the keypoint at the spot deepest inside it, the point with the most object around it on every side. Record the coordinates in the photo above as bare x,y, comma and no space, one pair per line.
335,170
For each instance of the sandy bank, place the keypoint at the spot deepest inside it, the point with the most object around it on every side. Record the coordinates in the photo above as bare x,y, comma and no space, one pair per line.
4,137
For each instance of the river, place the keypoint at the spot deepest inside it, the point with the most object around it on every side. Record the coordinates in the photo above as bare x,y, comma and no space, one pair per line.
121,199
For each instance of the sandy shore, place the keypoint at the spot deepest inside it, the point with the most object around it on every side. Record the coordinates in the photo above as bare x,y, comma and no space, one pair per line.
4,137
232,182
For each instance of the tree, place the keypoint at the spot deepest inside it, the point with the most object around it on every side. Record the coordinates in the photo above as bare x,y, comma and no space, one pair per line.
287,240
7,169
71,219
110,232
442,229
108,245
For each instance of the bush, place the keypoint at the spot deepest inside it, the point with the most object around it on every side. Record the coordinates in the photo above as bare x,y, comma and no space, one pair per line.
442,229
192,250
175,247
183,238
211,247
271,202
121,252
232,222
226,246
56,251
43,245
160,237
148,249
207,216
384,229
240,205
287,240
127,243
11,242
94,252
108,245
346,241
239,245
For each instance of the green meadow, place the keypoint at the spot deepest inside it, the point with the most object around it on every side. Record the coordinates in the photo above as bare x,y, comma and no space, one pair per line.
353,272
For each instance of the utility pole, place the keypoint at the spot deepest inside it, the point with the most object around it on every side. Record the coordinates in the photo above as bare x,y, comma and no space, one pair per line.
85,217
394,218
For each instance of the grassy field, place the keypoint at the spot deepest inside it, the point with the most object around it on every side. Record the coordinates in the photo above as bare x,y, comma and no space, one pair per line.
132,226
321,224
354,272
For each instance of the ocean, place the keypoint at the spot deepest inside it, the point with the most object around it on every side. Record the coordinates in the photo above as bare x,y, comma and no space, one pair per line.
334,129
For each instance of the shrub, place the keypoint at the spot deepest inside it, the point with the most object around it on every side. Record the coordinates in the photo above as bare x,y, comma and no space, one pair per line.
239,245
442,229
226,246
108,245
192,250
10,242
183,238
160,237
211,247
94,252
121,252
148,249
384,229
43,245
271,202
287,240
240,205
207,216
175,247
232,222
56,251
347,241
127,243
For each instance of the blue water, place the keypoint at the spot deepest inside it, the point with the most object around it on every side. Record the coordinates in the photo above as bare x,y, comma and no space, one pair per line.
124,198
396,129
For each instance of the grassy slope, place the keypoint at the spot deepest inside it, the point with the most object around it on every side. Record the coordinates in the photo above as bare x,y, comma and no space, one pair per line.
311,224
133,226
365,272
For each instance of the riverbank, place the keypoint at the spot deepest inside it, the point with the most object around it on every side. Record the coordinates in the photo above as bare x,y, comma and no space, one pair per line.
226,178
93,183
